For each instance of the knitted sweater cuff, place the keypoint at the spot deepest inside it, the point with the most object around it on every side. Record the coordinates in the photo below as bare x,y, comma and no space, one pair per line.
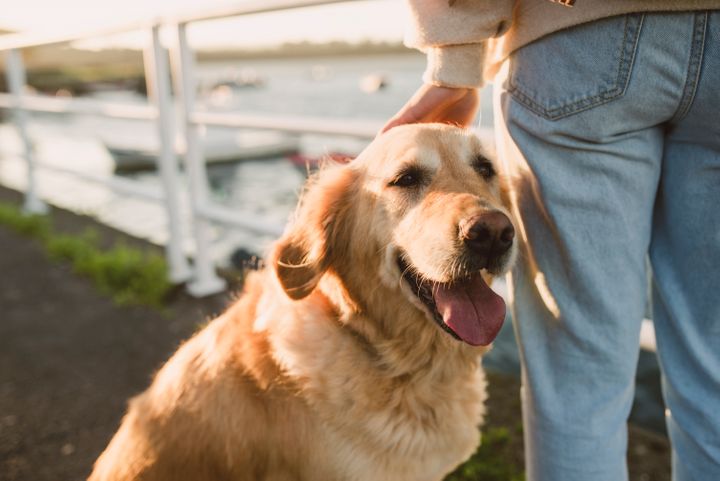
459,66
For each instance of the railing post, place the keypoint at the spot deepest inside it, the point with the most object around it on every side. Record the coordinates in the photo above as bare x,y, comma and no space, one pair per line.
158,85
16,80
206,280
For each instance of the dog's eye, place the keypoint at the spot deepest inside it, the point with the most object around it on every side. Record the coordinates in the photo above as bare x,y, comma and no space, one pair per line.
484,168
409,178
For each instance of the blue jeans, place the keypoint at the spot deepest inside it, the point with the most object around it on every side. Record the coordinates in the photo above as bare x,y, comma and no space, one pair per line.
611,131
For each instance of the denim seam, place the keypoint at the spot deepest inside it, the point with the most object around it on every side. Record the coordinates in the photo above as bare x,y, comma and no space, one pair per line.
694,66
627,58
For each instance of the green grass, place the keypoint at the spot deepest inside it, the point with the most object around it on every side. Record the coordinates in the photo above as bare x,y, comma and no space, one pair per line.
492,461
128,275
30,225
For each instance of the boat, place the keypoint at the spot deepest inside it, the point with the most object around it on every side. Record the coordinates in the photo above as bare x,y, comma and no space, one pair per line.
373,83
137,148
241,79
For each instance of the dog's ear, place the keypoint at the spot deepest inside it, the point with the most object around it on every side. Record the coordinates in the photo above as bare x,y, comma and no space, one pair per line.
305,252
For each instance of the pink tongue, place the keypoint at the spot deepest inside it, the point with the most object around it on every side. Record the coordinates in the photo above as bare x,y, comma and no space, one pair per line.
472,310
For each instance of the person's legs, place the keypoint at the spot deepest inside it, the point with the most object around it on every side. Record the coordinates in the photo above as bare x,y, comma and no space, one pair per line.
685,253
581,114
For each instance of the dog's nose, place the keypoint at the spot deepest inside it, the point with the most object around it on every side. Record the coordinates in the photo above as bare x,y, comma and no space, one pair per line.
489,234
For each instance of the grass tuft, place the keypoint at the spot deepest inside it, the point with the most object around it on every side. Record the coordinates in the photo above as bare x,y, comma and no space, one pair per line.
130,276
37,226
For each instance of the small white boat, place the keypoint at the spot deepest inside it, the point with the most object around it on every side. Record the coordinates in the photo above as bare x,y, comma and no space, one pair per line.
373,83
137,148
236,80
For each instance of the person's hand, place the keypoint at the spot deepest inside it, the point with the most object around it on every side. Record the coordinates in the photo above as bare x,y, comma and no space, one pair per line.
431,103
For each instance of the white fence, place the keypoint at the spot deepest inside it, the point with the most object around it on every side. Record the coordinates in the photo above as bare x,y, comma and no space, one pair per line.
201,276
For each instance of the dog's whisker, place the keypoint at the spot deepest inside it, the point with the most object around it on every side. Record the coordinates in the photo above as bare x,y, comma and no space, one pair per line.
294,266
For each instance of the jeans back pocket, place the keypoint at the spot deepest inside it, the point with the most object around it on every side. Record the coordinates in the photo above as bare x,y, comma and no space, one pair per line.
575,69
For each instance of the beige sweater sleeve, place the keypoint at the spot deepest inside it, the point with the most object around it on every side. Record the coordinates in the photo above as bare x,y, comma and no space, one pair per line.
454,36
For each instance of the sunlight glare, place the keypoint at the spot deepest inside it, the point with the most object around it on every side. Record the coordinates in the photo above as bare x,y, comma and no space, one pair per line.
376,20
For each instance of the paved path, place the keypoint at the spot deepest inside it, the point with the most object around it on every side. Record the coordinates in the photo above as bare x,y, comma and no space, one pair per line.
70,359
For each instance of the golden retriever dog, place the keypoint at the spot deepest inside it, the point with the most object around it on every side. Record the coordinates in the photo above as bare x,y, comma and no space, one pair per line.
356,354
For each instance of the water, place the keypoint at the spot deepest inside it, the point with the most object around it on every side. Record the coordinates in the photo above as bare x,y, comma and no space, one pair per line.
268,189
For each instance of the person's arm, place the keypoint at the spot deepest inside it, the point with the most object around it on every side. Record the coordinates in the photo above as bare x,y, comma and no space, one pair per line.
453,34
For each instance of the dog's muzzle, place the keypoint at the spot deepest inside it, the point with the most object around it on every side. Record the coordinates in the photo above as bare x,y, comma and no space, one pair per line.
488,236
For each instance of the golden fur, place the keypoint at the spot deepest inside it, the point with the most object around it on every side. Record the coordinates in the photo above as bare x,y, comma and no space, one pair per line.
328,367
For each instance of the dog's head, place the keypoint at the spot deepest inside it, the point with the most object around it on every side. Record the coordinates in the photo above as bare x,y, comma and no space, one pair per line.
421,212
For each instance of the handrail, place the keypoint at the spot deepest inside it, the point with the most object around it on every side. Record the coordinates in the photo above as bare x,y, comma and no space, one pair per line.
39,103
15,41
248,7
363,129
18,41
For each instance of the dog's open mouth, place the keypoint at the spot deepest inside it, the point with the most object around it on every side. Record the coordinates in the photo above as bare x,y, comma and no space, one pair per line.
466,308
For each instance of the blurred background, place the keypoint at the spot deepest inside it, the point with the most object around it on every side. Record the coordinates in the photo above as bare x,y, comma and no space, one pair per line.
188,126
339,62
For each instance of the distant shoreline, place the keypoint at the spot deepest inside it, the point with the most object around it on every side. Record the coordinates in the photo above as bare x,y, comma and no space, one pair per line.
307,50
61,68
65,57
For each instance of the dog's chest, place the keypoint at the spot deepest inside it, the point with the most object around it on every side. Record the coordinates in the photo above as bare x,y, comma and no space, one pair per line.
415,437
369,421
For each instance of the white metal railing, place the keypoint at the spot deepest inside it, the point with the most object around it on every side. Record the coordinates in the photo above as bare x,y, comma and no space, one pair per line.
34,103
201,277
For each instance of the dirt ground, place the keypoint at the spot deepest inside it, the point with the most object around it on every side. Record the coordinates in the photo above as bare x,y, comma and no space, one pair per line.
69,360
